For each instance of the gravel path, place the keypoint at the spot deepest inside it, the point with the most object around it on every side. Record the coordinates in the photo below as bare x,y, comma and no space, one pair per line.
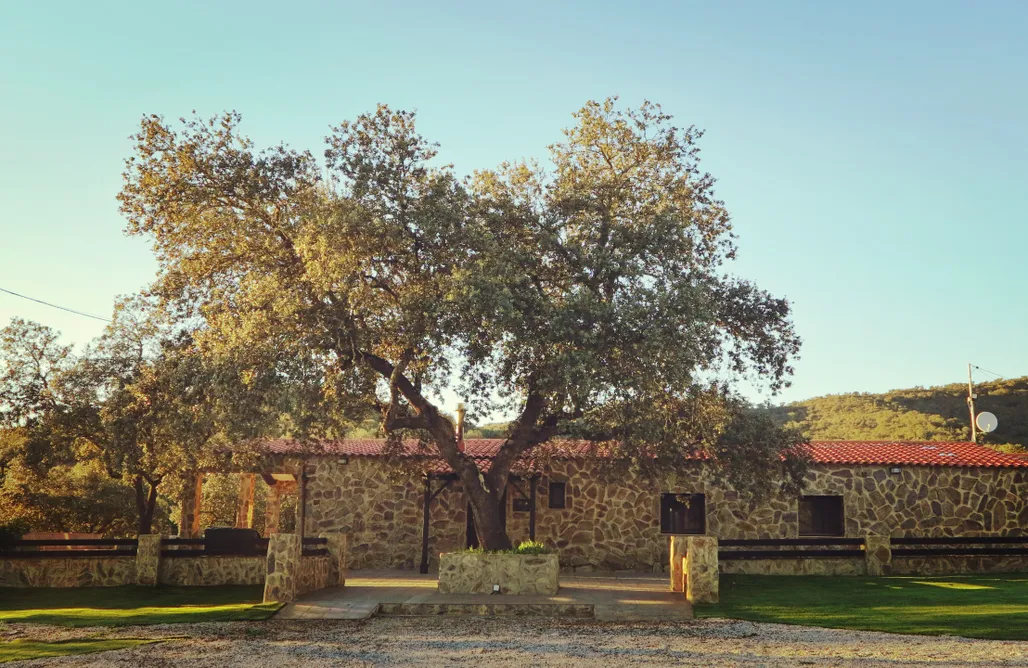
486,643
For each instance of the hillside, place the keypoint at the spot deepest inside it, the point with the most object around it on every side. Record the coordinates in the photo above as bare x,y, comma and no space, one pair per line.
935,413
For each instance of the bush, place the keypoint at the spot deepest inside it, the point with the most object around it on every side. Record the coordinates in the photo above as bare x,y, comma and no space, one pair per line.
12,531
531,547
526,547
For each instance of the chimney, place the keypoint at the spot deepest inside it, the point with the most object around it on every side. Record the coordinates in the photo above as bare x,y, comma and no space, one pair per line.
460,427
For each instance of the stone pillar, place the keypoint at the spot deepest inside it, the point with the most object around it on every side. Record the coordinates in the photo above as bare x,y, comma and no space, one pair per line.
191,502
678,548
337,558
283,568
273,510
244,509
878,554
701,569
148,559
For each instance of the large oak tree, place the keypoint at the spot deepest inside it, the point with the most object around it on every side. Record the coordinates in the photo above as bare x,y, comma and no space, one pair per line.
588,296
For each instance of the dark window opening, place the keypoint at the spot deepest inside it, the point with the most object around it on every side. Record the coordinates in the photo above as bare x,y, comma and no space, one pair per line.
522,505
821,516
683,513
558,494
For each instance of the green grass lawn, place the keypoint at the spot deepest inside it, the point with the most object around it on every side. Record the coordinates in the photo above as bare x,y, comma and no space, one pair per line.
20,650
120,606
975,606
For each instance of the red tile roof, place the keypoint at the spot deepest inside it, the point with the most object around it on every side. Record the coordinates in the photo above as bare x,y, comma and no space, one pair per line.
910,453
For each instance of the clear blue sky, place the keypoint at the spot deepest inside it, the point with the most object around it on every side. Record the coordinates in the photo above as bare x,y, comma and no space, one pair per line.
872,153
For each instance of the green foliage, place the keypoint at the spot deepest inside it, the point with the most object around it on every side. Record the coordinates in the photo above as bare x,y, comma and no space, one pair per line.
933,414
525,547
12,529
80,497
593,291
532,547
994,607
131,605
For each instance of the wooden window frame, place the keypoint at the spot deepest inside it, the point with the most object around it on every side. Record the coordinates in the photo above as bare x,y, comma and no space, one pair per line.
563,495
820,523
695,523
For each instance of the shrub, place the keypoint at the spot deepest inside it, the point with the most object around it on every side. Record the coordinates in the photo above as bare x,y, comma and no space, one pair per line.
531,547
12,531
526,547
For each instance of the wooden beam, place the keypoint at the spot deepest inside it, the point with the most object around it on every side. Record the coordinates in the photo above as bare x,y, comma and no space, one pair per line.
531,507
302,520
424,526
244,508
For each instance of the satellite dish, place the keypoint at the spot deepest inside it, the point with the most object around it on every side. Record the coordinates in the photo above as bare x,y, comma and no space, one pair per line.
986,422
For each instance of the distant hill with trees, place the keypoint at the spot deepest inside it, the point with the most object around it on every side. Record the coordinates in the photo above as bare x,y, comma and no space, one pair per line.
915,414
932,414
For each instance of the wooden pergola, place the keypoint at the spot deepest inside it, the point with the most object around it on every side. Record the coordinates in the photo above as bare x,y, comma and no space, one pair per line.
432,491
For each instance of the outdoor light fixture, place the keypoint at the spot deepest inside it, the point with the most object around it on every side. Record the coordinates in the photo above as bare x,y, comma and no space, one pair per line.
343,460
894,469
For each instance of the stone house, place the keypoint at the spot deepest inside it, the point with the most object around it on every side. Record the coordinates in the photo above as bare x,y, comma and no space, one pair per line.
854,489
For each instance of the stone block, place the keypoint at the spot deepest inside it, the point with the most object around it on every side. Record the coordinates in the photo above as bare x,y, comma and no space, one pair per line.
678,548
337,546
283,568
701,570
477,573
878,554
148,560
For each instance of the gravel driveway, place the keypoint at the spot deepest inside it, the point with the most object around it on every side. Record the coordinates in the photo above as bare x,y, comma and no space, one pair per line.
484,643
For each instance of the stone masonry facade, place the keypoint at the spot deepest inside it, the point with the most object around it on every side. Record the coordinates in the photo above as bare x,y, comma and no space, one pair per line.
613,526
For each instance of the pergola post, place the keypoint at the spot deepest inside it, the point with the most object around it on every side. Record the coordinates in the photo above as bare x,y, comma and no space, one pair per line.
191,502
244,509
424,527
273,511
531,506
301,521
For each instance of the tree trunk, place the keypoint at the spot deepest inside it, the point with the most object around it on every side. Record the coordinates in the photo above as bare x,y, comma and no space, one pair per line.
488,511
146,505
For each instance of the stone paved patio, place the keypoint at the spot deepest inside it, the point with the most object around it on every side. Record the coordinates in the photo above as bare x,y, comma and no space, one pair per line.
619,596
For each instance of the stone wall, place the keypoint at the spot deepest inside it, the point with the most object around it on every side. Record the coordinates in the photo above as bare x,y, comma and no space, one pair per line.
958,564
380,507
313,574
207,571
68,572
613,526
477,573
817,566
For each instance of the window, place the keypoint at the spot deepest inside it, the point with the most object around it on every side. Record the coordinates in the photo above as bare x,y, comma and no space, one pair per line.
683,513
521,505
821,516
558,494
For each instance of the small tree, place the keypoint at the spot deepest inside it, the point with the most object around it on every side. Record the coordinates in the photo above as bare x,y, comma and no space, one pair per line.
156,409
589,298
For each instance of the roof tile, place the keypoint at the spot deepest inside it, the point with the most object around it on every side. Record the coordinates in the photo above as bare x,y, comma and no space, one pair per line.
894,453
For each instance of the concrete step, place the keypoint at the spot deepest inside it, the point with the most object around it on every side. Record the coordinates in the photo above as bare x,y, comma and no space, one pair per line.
578,610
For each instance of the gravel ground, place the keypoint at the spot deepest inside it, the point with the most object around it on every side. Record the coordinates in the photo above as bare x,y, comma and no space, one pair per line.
484,643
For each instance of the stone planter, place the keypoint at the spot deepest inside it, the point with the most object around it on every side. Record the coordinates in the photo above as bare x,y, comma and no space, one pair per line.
476,573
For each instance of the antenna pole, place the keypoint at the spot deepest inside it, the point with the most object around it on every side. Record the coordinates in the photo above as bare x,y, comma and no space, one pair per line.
970,403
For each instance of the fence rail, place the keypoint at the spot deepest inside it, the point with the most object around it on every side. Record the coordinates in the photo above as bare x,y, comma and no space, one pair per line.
776,542
201,547
970,540
72,548
829,548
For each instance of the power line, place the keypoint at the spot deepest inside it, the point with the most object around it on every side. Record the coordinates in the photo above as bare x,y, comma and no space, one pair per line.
993,373
62,308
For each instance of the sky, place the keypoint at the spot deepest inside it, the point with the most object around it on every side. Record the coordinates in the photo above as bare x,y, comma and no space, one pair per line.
871,153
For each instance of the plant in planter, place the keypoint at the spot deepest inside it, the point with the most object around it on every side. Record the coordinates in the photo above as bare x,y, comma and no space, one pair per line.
530,568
